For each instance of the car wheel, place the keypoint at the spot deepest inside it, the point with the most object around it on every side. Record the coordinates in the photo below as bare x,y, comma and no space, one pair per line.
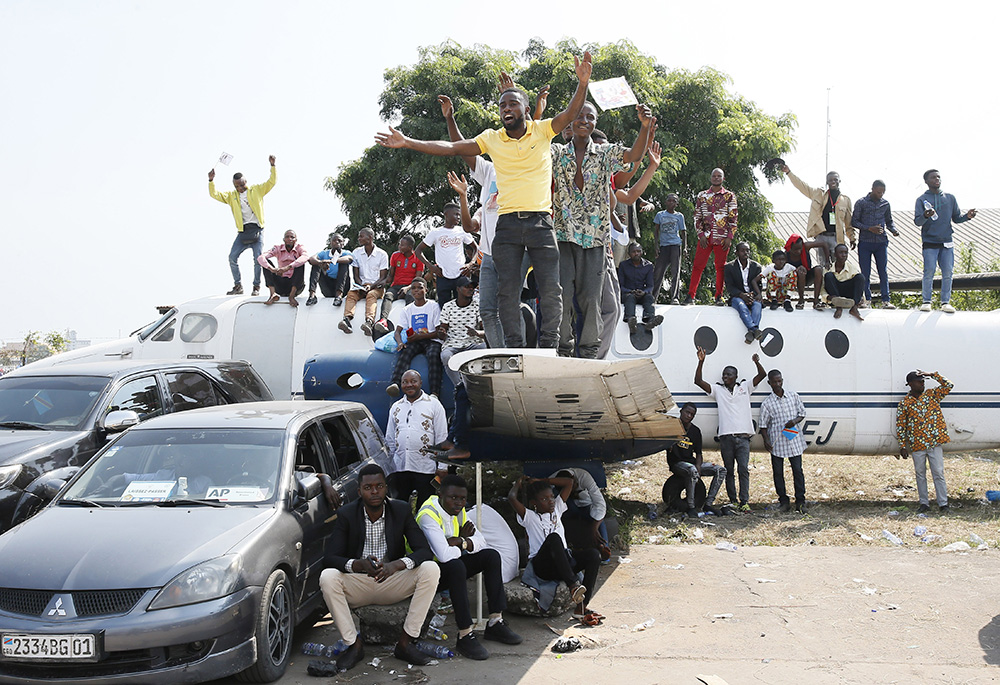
273,633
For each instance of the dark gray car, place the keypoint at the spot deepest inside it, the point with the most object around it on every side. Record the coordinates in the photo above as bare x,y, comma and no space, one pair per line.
187,550
53,419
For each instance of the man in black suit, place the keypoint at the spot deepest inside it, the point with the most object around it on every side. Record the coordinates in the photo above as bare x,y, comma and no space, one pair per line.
742,276
367,564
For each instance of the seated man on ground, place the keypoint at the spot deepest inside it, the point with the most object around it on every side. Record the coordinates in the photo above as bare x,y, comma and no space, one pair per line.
548,557
367,563
635,276
742,277
331,271
587,506
461,552
284,269
419,321
685,459
780,280
844,284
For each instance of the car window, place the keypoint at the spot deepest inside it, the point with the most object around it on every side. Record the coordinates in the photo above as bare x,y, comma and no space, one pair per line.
371,438
310,453
141,396
180,463
342,440
242,384
191,390
198,328
51,402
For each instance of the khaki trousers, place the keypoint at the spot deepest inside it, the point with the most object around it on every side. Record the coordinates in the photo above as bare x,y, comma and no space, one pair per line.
345,591
371,302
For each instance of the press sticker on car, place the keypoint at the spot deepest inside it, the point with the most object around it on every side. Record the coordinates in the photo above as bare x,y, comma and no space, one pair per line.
148,490
236,493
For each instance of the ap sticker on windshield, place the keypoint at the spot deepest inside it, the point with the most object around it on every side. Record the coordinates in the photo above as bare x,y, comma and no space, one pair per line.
148,490
235,493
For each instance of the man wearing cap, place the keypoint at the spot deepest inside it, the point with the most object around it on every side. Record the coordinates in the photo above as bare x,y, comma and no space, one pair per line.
921,431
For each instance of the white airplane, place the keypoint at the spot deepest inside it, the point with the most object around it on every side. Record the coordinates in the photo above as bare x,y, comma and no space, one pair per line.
850,374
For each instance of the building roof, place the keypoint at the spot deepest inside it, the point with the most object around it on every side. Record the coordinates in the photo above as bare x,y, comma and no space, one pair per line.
905,261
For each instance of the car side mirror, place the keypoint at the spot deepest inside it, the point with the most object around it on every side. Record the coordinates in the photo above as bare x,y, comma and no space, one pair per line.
119,420
309,488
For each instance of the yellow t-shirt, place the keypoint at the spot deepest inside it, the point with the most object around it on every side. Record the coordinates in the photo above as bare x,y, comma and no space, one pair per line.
523,166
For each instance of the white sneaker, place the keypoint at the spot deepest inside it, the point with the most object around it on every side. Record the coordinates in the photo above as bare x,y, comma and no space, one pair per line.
947,308
925,307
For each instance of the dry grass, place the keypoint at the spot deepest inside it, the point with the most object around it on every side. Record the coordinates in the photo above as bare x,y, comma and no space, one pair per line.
852,499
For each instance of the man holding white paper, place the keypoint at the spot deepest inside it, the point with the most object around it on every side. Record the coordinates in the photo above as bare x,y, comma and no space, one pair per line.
780,414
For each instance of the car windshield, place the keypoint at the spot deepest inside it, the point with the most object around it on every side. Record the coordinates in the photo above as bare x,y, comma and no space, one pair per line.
159,466
49,402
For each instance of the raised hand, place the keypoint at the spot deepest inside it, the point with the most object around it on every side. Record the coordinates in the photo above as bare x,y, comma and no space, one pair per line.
584,67
458,184
645,114
211,175
505,81
543,100
271,159
392,139
701,354
447,109
654,153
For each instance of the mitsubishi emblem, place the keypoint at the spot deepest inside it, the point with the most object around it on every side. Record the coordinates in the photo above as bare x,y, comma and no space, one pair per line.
60,606
57,610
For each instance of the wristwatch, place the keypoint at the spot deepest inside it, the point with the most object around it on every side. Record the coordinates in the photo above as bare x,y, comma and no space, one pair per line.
465,544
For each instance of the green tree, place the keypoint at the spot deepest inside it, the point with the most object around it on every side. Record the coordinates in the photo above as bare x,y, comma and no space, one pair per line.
701,126
35,346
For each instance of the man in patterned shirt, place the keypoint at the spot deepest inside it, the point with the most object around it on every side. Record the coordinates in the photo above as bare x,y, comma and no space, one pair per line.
581,174
780,413
417,423
921,430
715,214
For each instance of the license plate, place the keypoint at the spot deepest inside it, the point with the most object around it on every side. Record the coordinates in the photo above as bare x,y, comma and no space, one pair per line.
46,647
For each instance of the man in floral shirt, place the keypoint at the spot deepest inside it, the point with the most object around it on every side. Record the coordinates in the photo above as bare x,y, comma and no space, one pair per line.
921,430
715,223
581,198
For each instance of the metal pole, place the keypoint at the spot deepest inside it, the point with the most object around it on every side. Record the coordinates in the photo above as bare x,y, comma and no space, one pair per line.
826,168
479,525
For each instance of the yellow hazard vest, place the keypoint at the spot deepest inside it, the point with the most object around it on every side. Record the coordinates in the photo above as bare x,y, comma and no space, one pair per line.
430,508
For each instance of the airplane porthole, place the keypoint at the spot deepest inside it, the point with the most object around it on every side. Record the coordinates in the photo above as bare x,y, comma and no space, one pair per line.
837,343
772,342
707,339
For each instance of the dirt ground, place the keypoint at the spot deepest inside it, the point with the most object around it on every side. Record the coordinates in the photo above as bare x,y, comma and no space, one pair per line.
821,598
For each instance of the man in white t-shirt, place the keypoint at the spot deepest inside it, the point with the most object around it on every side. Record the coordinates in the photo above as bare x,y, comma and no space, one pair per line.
370,267
459,326
449,243
735,424
416,333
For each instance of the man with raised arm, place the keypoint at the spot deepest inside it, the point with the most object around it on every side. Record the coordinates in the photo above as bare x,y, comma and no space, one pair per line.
520,151
830,214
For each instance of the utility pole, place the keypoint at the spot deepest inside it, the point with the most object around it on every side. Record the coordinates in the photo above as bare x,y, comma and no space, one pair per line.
826,168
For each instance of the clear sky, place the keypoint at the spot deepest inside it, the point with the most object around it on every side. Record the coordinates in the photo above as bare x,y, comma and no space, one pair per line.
113,112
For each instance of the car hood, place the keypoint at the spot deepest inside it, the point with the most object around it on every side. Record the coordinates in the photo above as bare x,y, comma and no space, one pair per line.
69,548
14,443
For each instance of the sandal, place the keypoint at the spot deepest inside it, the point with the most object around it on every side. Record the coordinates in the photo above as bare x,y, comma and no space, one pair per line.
819,306
800,305
589,619
578,594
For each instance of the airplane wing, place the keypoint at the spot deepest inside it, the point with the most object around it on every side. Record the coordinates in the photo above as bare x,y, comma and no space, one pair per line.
534,394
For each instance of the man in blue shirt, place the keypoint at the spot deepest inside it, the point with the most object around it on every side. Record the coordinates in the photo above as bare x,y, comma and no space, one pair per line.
669,232
326,273
636,277
872,217
934,213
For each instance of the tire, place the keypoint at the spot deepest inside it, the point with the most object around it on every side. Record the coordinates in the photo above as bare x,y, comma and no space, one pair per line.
675,494
273,632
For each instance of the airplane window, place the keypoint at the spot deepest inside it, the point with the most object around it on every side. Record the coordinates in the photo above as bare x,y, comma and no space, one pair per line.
706,338
166,335
198,328
837,343
772,343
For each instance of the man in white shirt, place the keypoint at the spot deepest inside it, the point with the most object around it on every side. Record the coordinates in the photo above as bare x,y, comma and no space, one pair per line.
449,243
370,267
459,326
417,423
735,424
461,552
587,505
419,322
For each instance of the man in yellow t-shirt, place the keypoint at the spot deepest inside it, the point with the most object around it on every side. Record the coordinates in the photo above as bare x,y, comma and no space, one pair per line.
522,159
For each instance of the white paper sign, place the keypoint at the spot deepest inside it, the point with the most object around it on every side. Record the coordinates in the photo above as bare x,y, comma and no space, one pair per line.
235,493
225,158
148,490
612,93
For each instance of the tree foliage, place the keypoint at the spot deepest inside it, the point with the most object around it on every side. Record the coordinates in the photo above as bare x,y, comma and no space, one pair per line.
701,126
35,346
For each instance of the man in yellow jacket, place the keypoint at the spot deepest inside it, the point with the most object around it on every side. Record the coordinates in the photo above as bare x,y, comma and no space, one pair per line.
247,205
829,215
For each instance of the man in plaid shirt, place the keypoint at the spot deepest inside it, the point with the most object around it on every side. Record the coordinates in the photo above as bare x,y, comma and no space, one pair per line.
780,413
921,430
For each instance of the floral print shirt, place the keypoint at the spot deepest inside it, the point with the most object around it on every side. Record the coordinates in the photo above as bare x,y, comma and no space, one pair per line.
715,215
919,422
584,216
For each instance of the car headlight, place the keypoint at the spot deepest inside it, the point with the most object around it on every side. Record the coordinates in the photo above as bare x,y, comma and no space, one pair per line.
208,580
8,474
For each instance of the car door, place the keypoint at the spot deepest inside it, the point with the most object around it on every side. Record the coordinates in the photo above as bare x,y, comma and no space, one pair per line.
315,516
139,394
189,389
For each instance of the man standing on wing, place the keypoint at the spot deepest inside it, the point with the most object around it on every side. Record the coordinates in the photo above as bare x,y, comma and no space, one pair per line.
715,214
934,214
523,163
830,214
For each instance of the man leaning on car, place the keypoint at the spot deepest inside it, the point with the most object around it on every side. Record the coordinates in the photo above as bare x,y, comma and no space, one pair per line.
367,564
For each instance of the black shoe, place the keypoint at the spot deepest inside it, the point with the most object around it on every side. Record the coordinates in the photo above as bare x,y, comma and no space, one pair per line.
311,300
788,306
410,654
366,327
944,509
923,508
345,326
749,337
322,669
759,334
785,507
714,511
470,648
801,507
256,291
774,305
501,632
237,289
719,302
351,657
392,390
688,301
337,301
631,325
653,323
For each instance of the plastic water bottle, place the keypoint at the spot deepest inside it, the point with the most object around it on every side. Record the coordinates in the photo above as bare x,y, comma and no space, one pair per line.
652,512
975,539
437,621
888,535
920,531
436,633
726,546
319,649
928,205
436,651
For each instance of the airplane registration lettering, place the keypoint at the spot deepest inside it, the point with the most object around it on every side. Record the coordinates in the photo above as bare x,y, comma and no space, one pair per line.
808,430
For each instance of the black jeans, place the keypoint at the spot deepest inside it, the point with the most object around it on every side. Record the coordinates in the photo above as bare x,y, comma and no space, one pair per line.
454,573
669,258
282,285
404,482
391,295
431,349
330,287
853,288
554,562
798,478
